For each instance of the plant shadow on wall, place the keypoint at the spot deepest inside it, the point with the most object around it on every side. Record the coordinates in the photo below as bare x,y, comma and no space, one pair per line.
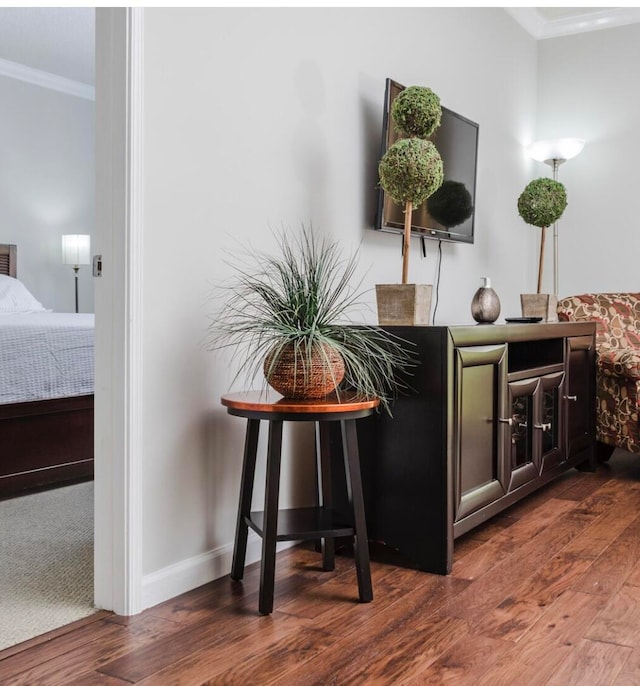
287,319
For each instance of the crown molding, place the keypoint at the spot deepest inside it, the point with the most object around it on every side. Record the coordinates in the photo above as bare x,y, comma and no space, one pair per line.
37,77
529,19
540,28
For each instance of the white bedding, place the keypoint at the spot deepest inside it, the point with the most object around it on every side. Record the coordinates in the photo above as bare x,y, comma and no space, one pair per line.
45,355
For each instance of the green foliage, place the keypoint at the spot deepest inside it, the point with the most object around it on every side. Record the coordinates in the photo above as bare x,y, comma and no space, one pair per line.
542,202
451,204
416,112
411,170
303,296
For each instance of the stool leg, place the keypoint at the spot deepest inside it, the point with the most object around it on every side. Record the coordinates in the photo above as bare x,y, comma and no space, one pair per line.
246,493
317,544
356,499
270,526
323,453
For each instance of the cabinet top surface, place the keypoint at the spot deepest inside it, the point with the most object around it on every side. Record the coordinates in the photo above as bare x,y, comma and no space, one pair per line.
479,334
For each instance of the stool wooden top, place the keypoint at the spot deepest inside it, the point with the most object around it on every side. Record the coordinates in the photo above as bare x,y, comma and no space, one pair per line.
268,402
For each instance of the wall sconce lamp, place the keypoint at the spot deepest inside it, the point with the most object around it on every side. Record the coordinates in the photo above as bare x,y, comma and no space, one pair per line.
76,250
554,153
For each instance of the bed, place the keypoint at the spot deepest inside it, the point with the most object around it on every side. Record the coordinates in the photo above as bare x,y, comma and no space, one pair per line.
46,389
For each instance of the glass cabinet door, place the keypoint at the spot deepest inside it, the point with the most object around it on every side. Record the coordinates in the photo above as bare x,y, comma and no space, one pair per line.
535,408
523,446
521,436
549,426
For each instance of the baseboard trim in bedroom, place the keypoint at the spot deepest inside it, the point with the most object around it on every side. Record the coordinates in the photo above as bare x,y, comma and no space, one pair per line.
195,571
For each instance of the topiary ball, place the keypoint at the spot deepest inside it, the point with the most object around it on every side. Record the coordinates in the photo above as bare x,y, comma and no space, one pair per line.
411,170
542,202
416,112
451,204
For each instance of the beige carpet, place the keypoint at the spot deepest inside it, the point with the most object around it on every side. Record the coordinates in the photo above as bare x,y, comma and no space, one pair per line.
46,561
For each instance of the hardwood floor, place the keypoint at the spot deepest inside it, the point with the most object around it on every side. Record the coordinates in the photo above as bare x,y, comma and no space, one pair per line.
546,593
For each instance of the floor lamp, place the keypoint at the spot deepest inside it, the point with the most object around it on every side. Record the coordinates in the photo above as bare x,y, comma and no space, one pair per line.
554,153
76,250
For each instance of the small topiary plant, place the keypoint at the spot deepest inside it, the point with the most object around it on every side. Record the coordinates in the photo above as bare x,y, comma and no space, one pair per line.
541,204
451,204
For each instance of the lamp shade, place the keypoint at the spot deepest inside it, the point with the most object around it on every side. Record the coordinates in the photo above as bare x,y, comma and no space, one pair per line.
76,249
560,149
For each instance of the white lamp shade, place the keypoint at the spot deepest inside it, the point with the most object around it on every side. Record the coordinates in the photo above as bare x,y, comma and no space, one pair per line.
76,249
560,149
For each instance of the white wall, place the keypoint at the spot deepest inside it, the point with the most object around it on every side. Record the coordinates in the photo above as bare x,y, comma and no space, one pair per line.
589,87
47,186
261,117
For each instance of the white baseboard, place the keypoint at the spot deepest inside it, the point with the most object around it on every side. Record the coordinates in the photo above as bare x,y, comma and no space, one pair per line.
188,574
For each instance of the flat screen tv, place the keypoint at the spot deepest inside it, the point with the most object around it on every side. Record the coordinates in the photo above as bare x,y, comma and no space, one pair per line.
457,142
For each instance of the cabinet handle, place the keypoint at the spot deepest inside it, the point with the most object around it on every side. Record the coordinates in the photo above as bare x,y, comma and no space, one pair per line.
544,427
572,398
508,421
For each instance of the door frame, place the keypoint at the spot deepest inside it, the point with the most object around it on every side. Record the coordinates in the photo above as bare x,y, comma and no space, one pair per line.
118,300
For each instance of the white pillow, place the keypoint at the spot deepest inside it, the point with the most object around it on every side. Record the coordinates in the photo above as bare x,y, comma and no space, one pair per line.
15,297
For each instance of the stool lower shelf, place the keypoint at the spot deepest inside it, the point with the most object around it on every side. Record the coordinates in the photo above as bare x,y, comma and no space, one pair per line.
304,523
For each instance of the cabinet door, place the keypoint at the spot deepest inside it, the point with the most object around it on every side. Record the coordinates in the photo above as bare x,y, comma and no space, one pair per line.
480,469
523,440
551,420
580,395
535,436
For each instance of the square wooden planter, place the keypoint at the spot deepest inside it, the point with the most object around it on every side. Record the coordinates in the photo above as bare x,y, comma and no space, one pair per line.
543,305
406,304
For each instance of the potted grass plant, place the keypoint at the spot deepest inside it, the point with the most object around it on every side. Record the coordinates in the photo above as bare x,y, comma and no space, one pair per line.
287,318
542,203
410,171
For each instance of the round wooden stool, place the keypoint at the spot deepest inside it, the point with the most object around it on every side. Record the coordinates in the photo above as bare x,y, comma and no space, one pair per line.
300,523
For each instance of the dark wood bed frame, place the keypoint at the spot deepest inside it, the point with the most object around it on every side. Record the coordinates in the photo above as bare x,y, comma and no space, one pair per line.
45,443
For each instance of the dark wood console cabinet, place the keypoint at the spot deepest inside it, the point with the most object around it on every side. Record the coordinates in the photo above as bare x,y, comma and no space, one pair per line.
498,410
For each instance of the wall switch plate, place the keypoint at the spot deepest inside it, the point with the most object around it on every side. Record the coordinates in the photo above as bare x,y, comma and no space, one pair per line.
97,265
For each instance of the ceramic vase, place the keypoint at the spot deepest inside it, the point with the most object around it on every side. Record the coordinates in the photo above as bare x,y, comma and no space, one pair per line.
485,306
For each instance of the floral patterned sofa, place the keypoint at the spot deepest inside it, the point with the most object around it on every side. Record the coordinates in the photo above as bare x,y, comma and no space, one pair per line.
617,317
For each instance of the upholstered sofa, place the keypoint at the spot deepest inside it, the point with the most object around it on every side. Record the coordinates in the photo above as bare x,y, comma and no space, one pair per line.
617,317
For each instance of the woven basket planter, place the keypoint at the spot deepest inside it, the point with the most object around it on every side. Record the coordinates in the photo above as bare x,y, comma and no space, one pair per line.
295,374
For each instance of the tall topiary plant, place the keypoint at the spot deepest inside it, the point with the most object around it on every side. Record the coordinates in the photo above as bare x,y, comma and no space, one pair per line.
411,169
541,204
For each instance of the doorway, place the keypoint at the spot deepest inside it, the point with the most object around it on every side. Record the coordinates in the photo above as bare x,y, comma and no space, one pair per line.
47,191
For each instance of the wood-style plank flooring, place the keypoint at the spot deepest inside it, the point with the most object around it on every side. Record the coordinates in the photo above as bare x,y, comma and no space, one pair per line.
546,593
